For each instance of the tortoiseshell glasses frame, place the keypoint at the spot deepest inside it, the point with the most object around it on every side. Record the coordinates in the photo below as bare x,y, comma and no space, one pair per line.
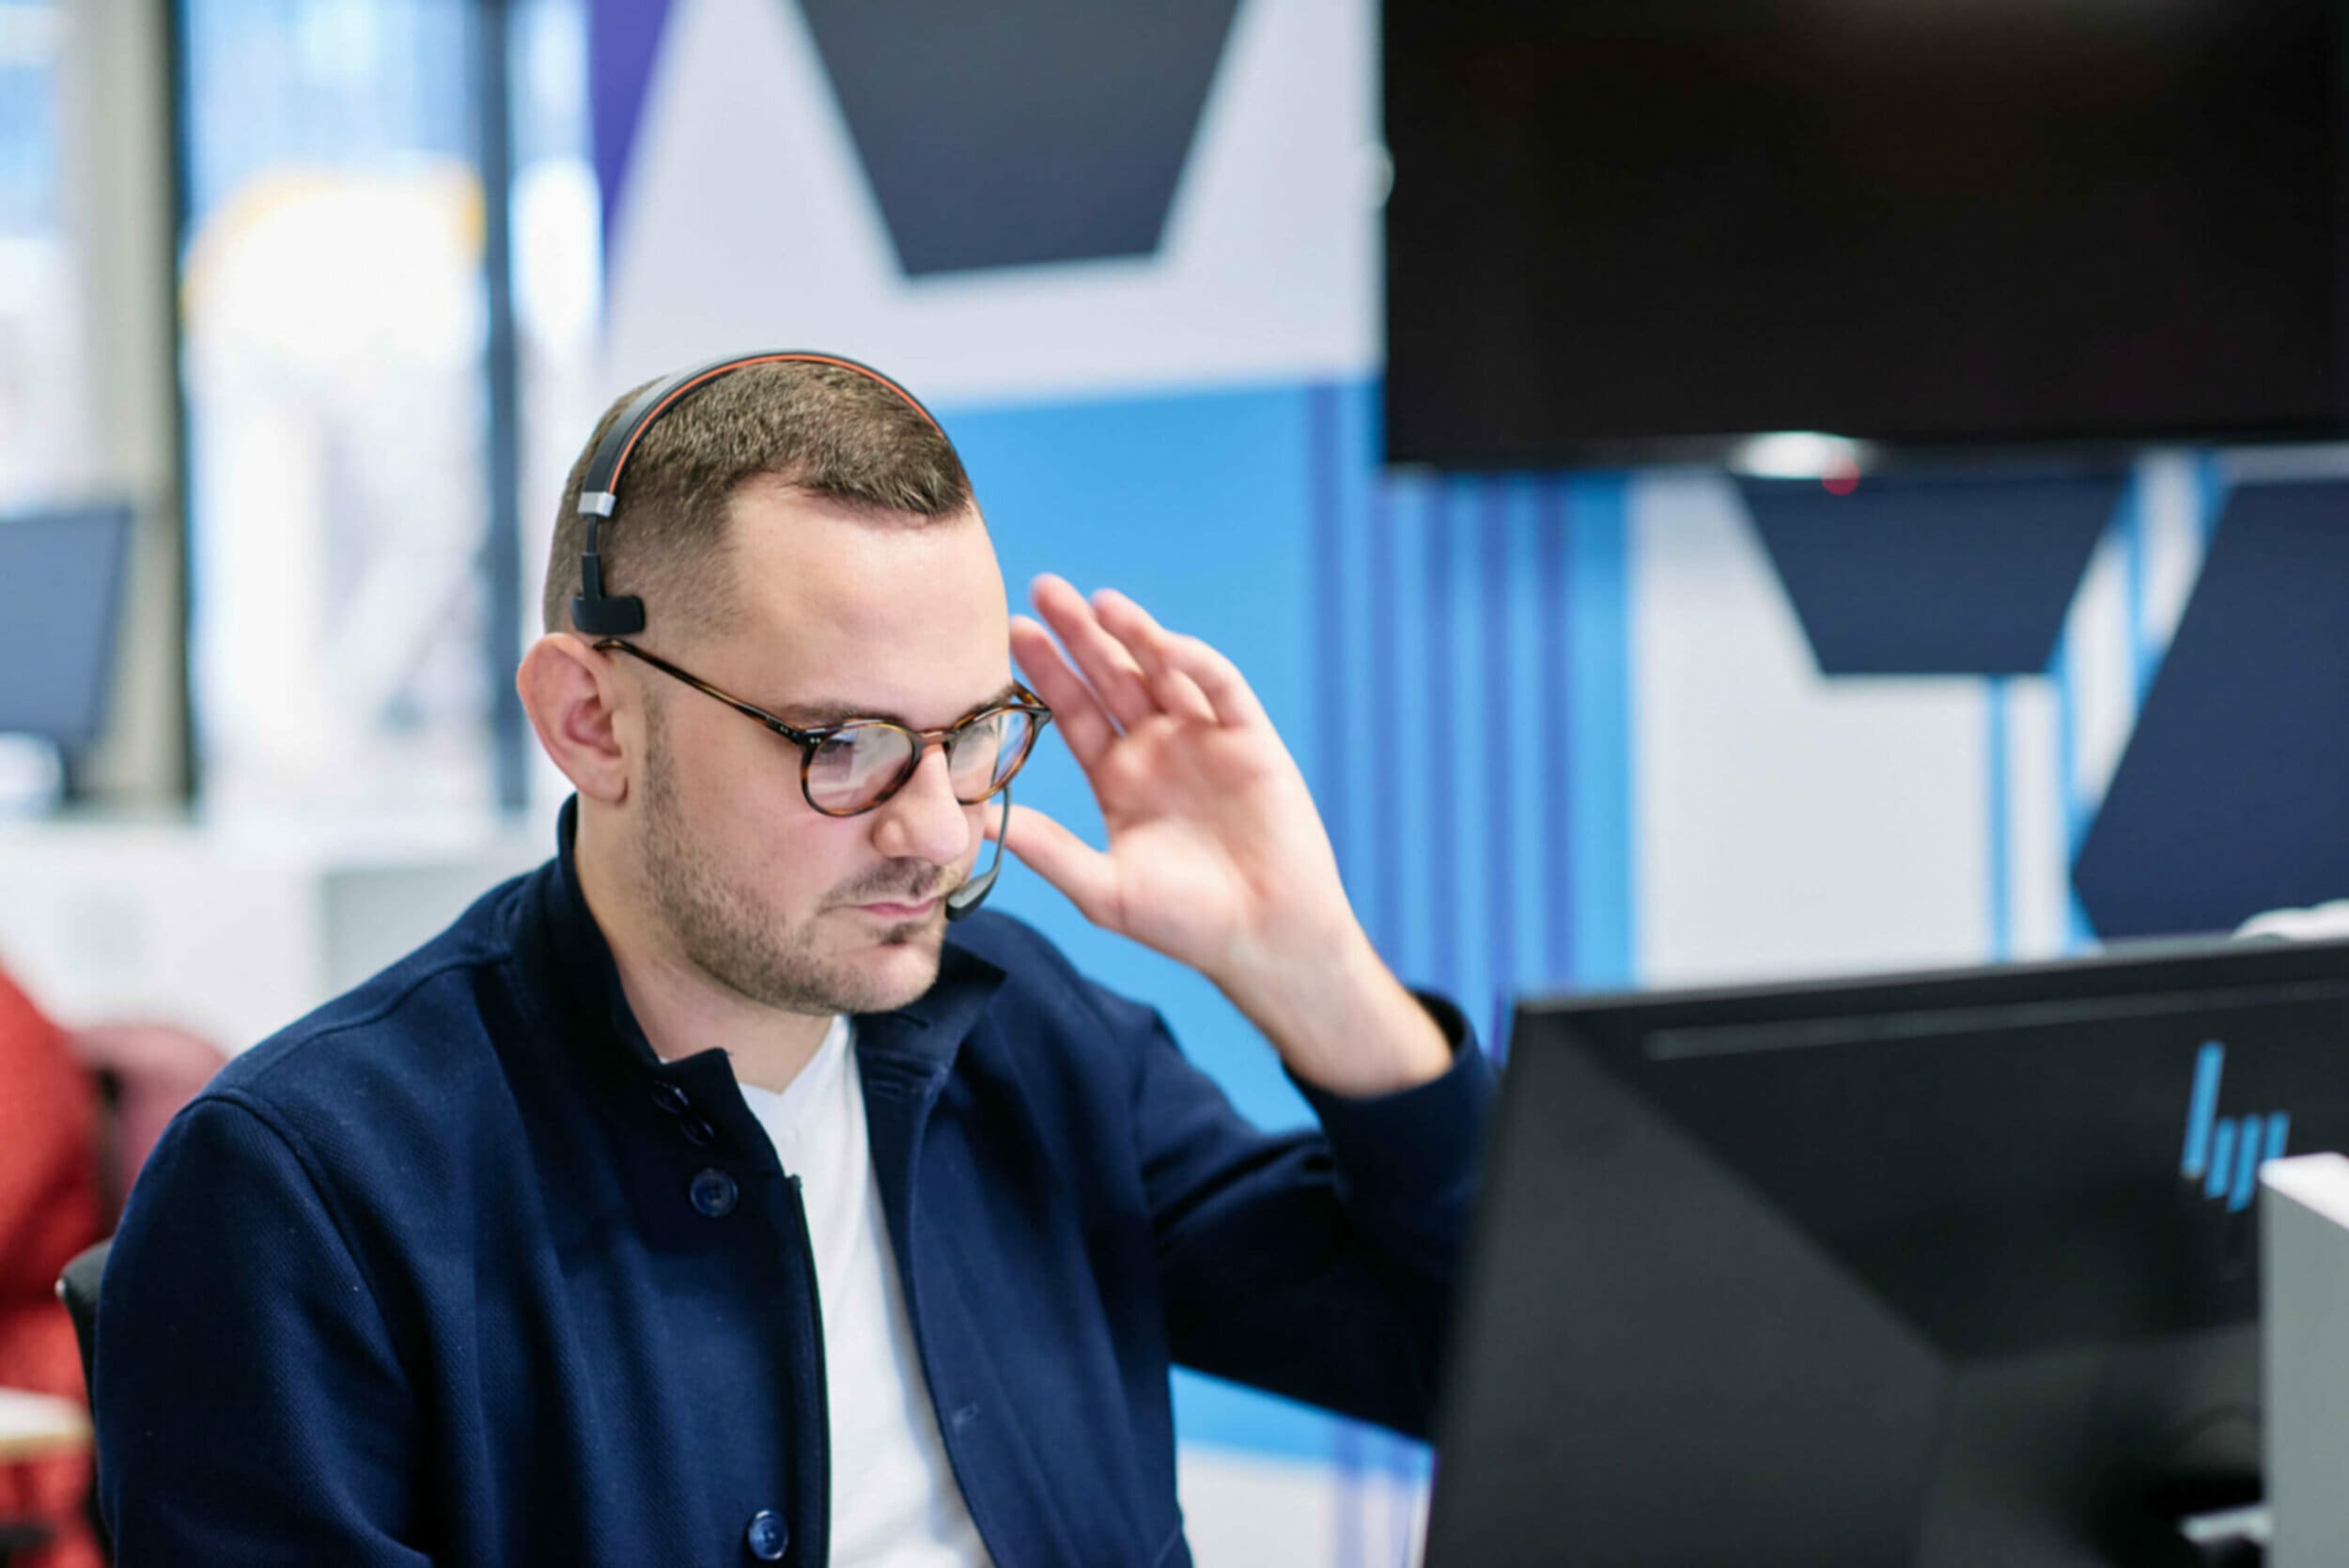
860,795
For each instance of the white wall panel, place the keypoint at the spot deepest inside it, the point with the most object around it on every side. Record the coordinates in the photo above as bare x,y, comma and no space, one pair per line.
1786,823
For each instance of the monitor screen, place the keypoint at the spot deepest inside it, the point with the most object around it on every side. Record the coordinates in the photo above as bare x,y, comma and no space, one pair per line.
60,592
1629,227
1953,1271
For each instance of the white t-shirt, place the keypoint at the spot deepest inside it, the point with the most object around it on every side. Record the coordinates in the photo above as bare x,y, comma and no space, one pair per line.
894,1502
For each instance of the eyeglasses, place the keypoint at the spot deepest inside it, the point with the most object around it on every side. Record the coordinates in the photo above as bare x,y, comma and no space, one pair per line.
850,768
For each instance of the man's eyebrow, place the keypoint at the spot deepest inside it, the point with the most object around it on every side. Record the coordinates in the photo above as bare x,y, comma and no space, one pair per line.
822,713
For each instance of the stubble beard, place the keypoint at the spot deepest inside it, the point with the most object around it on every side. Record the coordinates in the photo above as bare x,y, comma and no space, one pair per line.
725,932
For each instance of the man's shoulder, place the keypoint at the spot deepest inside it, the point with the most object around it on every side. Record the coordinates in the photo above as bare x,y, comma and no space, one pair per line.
415,1028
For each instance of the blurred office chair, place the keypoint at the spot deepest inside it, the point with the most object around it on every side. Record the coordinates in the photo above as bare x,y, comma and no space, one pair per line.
143,1073
77,1287
19,1535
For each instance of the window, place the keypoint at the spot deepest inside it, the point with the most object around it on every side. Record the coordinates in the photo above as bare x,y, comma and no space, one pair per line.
44,422
349,643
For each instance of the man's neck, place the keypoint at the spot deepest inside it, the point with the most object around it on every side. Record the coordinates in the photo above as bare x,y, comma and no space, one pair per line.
681,1010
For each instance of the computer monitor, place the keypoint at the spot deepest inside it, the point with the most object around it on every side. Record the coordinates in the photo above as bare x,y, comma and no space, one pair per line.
60,593
1940,1271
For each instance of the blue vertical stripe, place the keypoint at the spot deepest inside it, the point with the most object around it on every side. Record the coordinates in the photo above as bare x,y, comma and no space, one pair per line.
1601,761
1353,715
2202,1108
2074,811
2279,1128
1998,695
1386,764
2131,518
1438,740
1496,746
1528,744
1368,710
2221,1158
1556,739
1471,980
1413,853
2246,1166
2067,694
1327,657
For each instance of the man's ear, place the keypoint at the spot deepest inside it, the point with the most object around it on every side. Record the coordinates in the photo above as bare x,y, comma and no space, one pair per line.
573,695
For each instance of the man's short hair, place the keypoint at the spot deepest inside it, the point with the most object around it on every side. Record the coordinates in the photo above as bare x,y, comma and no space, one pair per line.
818,428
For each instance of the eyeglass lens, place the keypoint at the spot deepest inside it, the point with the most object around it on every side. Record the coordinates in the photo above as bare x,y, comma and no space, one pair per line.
858,764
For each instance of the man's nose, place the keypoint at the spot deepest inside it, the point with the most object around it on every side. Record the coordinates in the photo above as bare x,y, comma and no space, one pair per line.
923,821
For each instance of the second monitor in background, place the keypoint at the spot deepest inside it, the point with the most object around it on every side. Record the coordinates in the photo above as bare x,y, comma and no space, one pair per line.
61,579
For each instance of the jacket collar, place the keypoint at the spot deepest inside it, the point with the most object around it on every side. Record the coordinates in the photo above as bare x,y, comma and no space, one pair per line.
918,1041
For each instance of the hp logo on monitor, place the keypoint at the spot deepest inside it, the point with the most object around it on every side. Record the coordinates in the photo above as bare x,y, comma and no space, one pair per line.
2224,1154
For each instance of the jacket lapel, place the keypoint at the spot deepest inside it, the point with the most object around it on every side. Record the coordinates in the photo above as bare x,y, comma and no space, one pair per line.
905,1060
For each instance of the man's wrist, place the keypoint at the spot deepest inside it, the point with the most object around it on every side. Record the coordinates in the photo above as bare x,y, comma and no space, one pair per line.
1341,1021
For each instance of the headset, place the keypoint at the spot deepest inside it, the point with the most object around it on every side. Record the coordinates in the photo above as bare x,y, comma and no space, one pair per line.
597,614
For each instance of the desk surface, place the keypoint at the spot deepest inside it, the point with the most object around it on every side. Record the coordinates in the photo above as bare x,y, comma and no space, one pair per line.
36,1426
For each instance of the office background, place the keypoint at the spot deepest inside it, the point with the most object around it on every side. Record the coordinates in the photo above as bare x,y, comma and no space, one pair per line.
1586,730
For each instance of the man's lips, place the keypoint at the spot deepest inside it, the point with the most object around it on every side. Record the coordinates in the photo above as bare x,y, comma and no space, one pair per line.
900,911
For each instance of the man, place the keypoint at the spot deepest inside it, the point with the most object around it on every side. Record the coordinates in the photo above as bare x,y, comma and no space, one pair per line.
702,1197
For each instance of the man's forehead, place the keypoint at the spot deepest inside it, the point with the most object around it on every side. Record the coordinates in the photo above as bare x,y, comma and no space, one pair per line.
850,617
817,562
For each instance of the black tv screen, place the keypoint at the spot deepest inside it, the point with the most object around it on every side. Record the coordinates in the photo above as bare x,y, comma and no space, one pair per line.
1627,226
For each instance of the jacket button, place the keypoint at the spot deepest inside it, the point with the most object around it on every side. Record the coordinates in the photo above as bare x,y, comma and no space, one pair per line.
713,1193
697,1132
671,1098
767,1536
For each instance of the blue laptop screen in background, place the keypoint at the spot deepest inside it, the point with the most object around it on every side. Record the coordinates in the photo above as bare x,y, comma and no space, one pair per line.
60,591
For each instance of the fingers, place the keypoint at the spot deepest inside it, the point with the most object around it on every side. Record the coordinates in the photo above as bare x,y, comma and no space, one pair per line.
1132,668
1222,690
1109,668
1082,873
1151,646
1076,712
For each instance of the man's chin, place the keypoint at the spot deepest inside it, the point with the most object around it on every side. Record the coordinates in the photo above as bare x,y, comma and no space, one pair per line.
902,963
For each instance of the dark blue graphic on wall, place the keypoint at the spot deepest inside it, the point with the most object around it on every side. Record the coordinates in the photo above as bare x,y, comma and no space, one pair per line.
1931,577
1019,132
2233,793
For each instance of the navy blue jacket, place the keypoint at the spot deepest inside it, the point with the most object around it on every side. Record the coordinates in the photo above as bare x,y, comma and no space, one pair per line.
457,1271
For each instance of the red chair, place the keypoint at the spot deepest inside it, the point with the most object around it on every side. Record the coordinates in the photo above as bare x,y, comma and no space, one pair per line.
144,1072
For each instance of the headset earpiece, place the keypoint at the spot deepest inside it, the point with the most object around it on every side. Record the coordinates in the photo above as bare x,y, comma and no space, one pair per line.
595,613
